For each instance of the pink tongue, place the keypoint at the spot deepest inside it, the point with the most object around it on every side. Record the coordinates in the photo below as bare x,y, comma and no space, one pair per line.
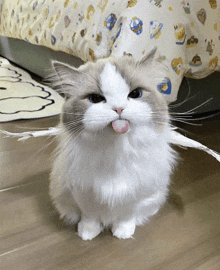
120,126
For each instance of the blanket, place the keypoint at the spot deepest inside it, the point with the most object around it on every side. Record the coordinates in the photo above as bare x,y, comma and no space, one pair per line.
186,33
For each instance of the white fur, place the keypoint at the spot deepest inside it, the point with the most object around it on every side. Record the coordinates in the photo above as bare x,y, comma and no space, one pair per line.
106,179
114,86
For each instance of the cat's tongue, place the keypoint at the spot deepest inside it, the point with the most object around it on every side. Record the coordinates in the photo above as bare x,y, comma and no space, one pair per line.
120,126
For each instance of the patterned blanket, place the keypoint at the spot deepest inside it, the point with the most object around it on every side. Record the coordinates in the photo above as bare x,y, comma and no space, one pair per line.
186,32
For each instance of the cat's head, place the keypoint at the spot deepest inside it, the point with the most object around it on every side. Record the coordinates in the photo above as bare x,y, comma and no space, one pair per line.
112,95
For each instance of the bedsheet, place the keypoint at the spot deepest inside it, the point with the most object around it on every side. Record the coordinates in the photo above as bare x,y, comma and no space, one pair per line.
186,33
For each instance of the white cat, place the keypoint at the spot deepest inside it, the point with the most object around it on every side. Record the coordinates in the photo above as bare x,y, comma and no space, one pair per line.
113,161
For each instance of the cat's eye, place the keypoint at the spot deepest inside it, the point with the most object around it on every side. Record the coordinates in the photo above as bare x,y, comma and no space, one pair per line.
136,93
95,98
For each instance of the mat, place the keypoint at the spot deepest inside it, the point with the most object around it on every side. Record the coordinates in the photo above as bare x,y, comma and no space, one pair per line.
21,97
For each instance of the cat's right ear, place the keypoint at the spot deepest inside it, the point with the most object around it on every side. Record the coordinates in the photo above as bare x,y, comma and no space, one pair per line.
65,78
64,72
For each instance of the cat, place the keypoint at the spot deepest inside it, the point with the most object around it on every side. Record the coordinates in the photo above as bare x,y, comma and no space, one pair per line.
113,161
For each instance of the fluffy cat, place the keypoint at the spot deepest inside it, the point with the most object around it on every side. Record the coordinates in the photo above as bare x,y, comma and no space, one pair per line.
113,161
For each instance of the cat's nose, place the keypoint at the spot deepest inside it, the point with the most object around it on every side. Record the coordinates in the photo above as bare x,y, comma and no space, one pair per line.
118,110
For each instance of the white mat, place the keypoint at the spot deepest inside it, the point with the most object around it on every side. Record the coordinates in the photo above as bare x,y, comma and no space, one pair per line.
23,98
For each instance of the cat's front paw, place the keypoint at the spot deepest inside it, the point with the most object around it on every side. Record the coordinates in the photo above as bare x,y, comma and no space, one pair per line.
124,230
88,229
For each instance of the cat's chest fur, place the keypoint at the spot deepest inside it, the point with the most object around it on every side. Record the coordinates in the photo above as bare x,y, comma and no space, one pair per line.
115,167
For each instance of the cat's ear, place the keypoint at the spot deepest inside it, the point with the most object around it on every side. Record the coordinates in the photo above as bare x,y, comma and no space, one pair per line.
149,58
65,79
64,72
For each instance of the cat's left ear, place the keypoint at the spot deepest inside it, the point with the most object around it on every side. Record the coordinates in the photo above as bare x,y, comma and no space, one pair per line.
149,58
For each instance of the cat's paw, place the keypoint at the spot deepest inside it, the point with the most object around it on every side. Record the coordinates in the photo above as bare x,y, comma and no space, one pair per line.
124,230
88,230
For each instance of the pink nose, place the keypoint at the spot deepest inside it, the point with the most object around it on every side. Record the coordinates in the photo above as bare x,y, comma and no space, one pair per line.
118,110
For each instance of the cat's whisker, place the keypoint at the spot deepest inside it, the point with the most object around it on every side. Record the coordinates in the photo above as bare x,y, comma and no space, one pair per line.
181,103
181,113
182,116
186,99
185,122
76,134
76,130
43,148
70,139
199,106
29,128
186,119
172,113
192,110
173,127
204,117
73,124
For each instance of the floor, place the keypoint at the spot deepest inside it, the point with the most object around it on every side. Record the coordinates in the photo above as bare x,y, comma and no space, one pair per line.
185,235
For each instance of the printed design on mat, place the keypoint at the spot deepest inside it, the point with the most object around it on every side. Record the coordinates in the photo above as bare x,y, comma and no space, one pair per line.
180,33
165,86
127,54
177,64
156,2
210,46
98,39
213,4
92,54
66,3
67,21
110,21
90,12
83,32
196,61
35,5
21,97
131,3
7,74
161,58
53,40
81,17
192,42
36,100
186,7
114,38
213,63
102,5
155,29
201,15
136,25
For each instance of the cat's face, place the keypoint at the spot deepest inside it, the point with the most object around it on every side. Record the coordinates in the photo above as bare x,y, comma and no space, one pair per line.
114,96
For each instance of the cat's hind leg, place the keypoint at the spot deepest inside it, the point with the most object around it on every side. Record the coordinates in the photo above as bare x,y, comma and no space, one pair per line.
67,207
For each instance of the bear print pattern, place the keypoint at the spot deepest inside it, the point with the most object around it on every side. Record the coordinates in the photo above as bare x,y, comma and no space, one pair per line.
186,33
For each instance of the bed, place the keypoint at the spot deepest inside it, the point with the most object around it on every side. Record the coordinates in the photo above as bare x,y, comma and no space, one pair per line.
34,32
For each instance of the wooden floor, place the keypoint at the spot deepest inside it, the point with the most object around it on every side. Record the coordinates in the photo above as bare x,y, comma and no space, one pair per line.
185,235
